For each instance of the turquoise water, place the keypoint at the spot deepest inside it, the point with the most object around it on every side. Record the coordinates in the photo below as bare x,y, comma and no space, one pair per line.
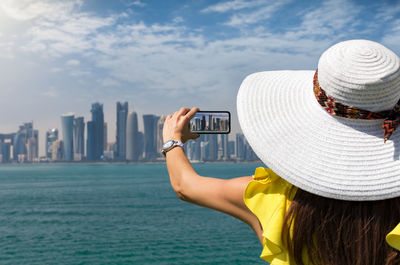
115,214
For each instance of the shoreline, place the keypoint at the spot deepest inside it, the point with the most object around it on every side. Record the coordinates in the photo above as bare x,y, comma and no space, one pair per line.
125,163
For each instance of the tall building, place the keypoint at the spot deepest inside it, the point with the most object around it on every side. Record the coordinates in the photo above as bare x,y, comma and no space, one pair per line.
231,148
33,151
122,114
31,146
20,143
67,125
132,137
193,150
204,151
249,153
159,135
141,145
90,155
58,151
96,133
51,137
243,149
212,147
19,147
5,147
150,134
105,135
240,147
6,142
225,146
79,138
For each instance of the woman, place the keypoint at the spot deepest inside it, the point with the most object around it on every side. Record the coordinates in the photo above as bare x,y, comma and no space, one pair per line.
330,194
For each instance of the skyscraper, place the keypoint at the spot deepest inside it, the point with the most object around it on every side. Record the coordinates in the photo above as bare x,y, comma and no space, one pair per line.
96,133
34,146
122,114
51,137
20,148
204,150
90,155
212,147
79,138
240,147
31,146
67,124
132,137
4,151
58,150
150,133
141,145
224,147
105,135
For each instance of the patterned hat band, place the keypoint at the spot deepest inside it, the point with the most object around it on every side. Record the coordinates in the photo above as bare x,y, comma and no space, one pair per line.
392,117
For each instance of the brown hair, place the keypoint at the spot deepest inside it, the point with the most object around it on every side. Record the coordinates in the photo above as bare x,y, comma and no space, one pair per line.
334,232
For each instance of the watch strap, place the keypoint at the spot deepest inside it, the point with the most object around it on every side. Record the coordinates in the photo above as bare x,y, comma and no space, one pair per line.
174,144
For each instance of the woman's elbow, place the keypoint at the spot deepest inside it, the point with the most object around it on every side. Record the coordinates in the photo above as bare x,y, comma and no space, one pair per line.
183,191
181,195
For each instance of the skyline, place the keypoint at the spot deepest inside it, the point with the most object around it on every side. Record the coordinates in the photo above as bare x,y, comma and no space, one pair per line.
22,146
60,56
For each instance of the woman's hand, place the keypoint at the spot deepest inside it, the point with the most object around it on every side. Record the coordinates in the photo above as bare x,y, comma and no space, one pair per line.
176,126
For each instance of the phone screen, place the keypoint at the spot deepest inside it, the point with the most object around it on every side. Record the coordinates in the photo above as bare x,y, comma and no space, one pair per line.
211,122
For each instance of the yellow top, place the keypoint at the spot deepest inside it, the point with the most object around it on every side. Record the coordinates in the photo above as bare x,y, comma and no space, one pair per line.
269,187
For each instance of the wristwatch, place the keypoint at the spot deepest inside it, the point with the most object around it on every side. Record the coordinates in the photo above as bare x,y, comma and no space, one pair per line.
170,145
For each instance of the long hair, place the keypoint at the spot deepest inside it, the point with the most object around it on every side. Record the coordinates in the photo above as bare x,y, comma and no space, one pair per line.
334,232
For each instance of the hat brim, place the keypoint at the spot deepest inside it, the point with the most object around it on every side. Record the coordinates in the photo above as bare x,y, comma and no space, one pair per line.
330,156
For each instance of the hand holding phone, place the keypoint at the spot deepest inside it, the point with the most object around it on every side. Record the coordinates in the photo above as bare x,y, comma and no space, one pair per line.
218,122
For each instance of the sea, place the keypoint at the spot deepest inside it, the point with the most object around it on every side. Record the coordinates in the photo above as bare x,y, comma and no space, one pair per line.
115,214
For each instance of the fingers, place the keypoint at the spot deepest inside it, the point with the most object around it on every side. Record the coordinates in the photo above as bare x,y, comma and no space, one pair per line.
183,111
186,112
191,113
180,112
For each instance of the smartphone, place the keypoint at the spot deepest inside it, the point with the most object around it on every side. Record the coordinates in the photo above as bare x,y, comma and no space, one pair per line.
211,122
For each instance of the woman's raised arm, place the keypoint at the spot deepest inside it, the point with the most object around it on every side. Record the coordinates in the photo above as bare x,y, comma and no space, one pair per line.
224,195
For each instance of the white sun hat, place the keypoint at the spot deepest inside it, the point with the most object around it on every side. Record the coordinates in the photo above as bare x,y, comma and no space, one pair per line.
313,147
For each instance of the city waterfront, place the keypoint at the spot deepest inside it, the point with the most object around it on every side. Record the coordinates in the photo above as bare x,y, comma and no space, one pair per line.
130,145
115,214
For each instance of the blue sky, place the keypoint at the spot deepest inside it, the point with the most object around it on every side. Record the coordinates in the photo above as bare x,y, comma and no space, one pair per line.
59,56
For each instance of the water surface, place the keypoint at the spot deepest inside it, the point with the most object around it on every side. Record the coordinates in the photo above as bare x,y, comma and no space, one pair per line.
115,214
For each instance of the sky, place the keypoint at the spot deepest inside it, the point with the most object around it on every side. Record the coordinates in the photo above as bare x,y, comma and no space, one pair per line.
60,56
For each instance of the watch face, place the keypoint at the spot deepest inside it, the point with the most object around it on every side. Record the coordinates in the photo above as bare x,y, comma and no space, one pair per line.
168,144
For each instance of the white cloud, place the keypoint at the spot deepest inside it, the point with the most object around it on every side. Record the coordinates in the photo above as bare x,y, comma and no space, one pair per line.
387,12
72,33
109,82
136,3
169,58
79,73
261,13
331,18
233,5
176,20
391,38
73,62
29,9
